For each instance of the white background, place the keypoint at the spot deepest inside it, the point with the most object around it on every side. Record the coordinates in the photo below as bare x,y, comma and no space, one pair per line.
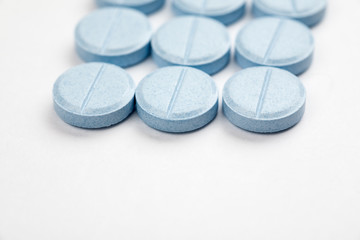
131,182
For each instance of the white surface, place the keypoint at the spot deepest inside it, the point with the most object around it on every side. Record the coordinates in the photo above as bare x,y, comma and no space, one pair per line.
133,183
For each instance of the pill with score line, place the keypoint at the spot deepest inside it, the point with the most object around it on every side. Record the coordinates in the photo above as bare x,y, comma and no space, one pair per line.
309,12
177,99
94,95
225,11
192,41
119,36
275,42
264,100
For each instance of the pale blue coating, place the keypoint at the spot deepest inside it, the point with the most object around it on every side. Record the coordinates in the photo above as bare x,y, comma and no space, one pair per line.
192,41
225,11
120,36
145,6
94,95
309,12
177,99
264,99
275,42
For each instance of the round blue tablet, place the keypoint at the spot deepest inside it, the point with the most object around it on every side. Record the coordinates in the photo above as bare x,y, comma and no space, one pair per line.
192,41
177,99
120,36
275,42
94,95
264,100
145,6
310,12
225,11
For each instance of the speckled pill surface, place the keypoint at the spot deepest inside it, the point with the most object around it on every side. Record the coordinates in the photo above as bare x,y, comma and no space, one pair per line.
264,99
120,36
309,12
145,6
192,41
94,95
275,42
225,11
177,99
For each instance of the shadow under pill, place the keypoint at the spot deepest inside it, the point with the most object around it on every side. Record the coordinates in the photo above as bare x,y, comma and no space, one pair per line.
74,58
244,135
92,6
160,136
60,126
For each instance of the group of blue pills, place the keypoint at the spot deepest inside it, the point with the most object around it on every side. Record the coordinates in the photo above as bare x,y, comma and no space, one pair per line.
181,96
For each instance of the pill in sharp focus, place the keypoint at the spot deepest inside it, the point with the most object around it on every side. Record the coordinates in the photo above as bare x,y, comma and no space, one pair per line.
264,99
225,11
309,12
275,42
94,95
191,41
177,99
119,36
145,6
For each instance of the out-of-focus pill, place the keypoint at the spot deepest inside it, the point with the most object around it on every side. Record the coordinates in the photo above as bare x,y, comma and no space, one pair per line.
94,95
275,42
120,36
309,12
145,6
191,41
177,99
225,11
264,99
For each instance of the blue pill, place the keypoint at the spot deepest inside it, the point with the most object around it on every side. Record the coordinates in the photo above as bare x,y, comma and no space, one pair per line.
192,41
264,99
275,42
94,95
145,6
309,12
119,36
177,99
225,11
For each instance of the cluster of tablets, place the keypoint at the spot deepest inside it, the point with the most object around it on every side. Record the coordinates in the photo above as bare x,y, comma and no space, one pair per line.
265,97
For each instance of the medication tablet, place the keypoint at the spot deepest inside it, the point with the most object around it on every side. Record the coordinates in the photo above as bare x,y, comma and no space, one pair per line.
145,6
120,36
94,95
225,11
309,12
177,99
275,42
192,41
264,100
